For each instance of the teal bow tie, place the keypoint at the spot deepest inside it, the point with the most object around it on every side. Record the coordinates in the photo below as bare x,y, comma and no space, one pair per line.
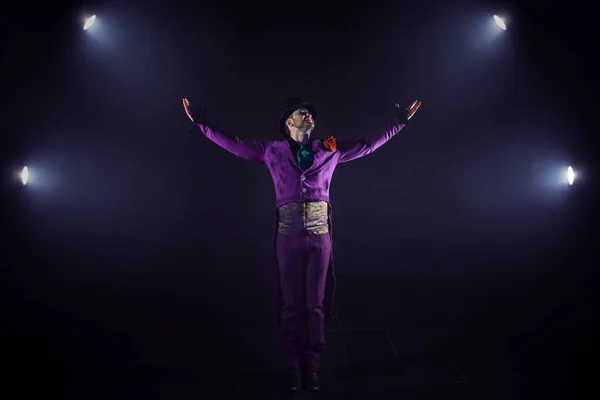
304,156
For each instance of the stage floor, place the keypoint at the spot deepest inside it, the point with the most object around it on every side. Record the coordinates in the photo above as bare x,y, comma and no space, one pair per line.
388,337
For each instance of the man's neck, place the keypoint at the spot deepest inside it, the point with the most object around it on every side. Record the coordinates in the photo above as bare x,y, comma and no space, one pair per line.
301,137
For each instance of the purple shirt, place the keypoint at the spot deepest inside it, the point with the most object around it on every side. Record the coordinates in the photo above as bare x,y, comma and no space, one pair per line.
292,184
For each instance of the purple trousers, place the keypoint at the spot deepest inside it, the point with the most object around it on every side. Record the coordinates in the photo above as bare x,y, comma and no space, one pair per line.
303,261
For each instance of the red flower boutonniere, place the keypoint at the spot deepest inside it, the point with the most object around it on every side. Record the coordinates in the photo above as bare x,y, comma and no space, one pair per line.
330,143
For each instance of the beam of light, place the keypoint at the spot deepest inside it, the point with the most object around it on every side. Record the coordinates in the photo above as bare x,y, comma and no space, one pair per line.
24,175
570,175
500,22
89,22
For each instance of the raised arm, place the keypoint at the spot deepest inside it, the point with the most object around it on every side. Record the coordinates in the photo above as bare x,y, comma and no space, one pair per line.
357,148
354,149
251,150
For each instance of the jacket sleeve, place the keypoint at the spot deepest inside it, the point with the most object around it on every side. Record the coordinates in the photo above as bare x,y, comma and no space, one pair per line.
355,149
251,150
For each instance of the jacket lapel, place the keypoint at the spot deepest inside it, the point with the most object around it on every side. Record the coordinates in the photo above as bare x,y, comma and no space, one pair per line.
285,149
317,154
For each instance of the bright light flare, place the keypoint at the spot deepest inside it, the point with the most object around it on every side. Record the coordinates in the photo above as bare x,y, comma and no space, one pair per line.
500,22
89,22
24,175
570,175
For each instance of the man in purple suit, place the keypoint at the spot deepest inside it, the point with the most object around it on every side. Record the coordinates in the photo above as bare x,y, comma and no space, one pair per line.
302,259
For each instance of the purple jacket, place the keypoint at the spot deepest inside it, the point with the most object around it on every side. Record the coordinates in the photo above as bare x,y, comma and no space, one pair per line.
292,184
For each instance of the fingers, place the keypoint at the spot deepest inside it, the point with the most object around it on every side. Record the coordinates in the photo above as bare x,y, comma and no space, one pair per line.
413,108
186,107
415,104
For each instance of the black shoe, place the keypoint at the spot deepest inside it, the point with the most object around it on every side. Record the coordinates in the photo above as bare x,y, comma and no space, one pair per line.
312,382
294,383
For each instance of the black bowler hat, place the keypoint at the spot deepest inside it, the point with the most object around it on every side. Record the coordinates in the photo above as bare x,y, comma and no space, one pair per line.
291,105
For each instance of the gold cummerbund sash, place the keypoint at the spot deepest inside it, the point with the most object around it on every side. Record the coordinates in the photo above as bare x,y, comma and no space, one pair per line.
304,218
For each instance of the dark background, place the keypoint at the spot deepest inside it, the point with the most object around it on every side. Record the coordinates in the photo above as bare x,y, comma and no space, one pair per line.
137,255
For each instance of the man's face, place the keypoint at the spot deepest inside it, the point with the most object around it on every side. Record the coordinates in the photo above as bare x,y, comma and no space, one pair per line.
301,119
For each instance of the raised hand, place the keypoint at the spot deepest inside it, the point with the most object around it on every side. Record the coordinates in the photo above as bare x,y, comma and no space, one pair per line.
197,115
410,110
188,108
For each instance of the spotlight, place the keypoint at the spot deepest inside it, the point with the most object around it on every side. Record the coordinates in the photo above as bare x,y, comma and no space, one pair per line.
89,22
570,175
500,22
24,175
